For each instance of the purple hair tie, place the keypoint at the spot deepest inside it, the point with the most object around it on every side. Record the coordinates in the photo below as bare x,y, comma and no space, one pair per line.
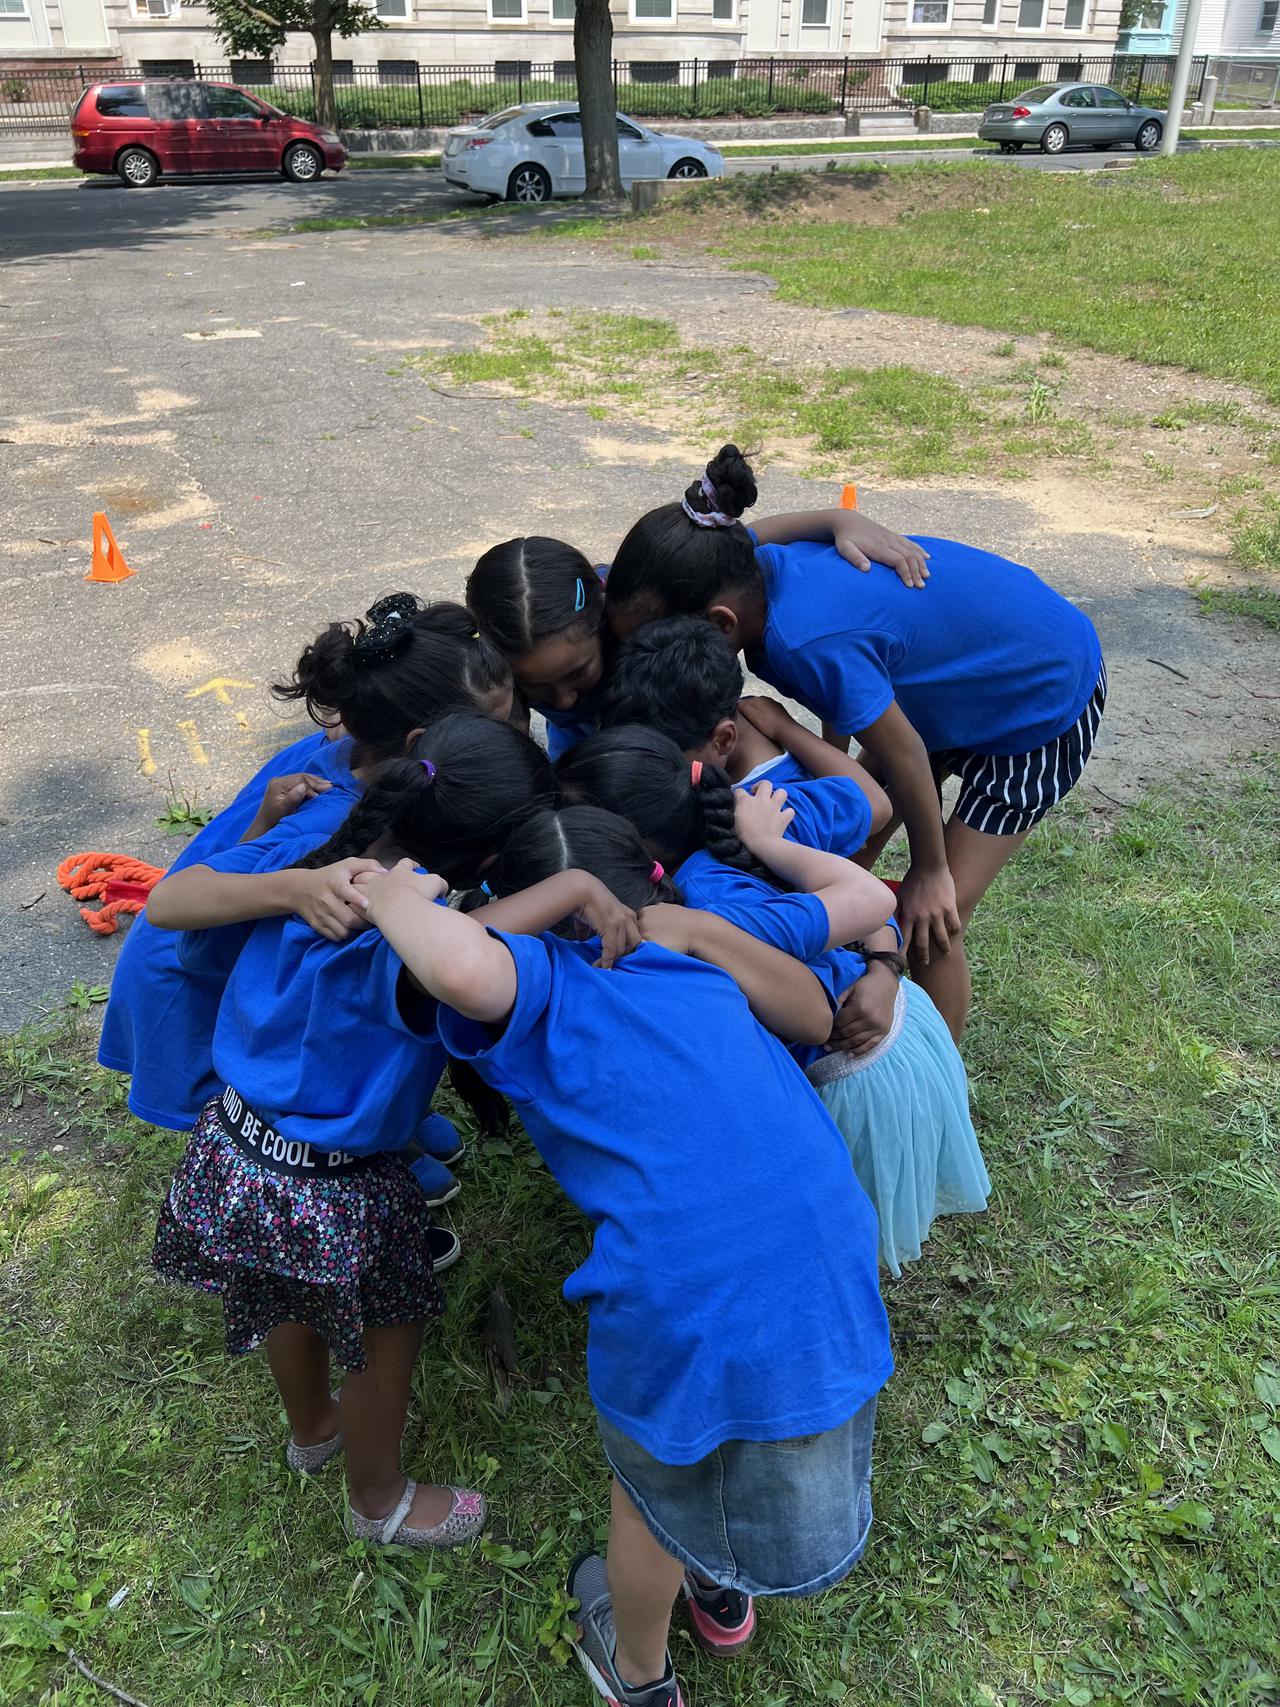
429,768
712,518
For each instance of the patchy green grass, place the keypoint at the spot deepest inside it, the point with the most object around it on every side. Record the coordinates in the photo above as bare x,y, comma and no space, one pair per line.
1172,262
1255,540
1262,604
822,147
37,174
1076,1460
897,418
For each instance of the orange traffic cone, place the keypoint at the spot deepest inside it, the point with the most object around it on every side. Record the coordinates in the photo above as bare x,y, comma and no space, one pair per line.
108,559
849,498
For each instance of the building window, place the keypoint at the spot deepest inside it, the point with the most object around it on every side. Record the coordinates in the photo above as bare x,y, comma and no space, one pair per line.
651,11
512,70
1267,16
931,12
1031,14
1152,17
344,71
397,71
506,11
982,69
1026,68
167,67
254,73
563,11
990,14
725,69
1073,17
654,71
13,8
814,14
564,71
1070,71
723,11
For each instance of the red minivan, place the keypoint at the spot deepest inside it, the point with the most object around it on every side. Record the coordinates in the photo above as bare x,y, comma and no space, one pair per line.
139,130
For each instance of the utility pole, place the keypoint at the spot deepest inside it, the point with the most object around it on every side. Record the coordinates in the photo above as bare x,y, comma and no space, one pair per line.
1181,78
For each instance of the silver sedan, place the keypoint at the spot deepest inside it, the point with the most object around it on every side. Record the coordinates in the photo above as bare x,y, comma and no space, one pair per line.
1055,116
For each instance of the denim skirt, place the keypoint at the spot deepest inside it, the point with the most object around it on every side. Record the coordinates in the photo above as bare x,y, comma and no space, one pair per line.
779,1517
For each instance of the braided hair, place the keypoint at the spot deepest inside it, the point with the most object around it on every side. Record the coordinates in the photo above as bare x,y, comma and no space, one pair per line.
395,670
524,590
678,808
677,559
451,801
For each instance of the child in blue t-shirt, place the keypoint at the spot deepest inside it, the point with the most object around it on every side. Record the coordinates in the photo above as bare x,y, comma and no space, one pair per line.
734,1352
293,1201
986,673
899,1095
542,605
371,683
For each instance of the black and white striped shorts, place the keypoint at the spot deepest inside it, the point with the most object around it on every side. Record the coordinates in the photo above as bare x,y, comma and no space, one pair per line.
1006,794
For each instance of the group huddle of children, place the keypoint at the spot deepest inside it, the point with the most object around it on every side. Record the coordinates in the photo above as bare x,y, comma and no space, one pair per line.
666,950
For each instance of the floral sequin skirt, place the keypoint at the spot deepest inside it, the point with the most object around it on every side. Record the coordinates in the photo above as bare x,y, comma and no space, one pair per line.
339,1255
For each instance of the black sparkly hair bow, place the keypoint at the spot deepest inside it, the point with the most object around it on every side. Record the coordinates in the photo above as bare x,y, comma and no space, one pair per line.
390,623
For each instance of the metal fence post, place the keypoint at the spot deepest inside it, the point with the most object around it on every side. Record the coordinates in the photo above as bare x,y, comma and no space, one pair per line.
695,85
844,88
928,78
314,97
769,96
417,75
1004,76
1142,71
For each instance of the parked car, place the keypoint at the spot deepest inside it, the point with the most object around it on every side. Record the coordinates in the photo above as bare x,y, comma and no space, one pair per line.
533,152
142,130
1055,116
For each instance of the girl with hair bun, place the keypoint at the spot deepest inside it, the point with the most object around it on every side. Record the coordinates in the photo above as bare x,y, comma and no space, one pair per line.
372,683
902,1105
293,1201
984,672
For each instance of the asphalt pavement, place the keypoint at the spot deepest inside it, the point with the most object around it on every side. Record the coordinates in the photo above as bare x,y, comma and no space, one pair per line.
238,406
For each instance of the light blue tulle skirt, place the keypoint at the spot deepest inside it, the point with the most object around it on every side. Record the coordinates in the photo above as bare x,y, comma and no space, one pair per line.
903,1110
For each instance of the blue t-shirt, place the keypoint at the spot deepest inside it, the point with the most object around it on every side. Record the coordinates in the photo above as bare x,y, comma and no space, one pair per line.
831,812
793,921
731,1286
985,658
159,1022
566,728
312,1035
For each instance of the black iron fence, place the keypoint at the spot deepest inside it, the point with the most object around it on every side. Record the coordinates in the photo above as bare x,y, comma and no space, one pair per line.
402,93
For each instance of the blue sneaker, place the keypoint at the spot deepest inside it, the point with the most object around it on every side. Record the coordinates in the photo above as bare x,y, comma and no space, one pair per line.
439,1138
439,1185
595,1643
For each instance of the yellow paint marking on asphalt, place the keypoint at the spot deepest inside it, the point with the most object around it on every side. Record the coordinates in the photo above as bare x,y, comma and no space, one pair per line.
191,736
218,687
146,764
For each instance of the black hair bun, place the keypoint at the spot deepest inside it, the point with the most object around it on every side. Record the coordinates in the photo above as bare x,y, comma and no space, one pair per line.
389,627
730,474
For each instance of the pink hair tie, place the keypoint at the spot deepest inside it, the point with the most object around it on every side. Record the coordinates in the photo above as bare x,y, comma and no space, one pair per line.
657,874
695,772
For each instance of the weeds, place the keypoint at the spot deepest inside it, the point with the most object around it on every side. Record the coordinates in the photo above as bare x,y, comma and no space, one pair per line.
1255,539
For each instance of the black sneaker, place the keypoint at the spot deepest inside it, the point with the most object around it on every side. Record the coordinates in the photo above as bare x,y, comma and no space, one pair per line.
445,1248
595,1643
723,1619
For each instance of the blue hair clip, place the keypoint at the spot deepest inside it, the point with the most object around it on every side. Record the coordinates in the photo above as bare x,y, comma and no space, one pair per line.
485,890
581,599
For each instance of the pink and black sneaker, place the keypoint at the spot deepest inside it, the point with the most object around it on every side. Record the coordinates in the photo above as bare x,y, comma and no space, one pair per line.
723,1619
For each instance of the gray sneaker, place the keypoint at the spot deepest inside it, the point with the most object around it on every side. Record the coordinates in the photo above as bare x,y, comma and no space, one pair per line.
589,1586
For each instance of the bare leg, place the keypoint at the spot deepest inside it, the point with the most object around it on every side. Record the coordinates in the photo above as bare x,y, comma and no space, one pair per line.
643,1583
975,861
372,1406
299,1360
876,842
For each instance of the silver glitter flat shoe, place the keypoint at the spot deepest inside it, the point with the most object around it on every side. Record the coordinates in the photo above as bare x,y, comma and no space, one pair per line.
307,1460
464,1522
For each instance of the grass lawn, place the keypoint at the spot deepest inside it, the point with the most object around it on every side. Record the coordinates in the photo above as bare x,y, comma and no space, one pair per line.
35,174
1077,1459
1172,261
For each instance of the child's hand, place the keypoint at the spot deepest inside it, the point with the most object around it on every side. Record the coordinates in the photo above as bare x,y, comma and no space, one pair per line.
376,888
861,541
618,927
328,899
866,1011
771,719
761,816
284,794
669,925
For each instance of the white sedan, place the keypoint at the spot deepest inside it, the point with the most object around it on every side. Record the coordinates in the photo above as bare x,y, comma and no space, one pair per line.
531,153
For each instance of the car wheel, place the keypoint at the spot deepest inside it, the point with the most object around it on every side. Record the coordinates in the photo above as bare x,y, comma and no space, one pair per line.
1054,139
688,168
302,164
529,184
1148,138
138,168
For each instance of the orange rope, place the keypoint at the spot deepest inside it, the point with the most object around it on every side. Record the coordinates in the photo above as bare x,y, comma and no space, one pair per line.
119,882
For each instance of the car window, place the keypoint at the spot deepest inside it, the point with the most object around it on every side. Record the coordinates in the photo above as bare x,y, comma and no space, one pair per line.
1041,92
1109,98
176,100
123,101
567,125
629,131
495,121
230,104
1077,98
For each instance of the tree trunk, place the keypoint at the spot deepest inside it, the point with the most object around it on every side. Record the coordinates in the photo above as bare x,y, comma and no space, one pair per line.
322,72
593,63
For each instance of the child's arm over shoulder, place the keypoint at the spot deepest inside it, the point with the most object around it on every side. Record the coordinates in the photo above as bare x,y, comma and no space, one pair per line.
201,898
819,757
282,796
449,954
782,993
856,537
